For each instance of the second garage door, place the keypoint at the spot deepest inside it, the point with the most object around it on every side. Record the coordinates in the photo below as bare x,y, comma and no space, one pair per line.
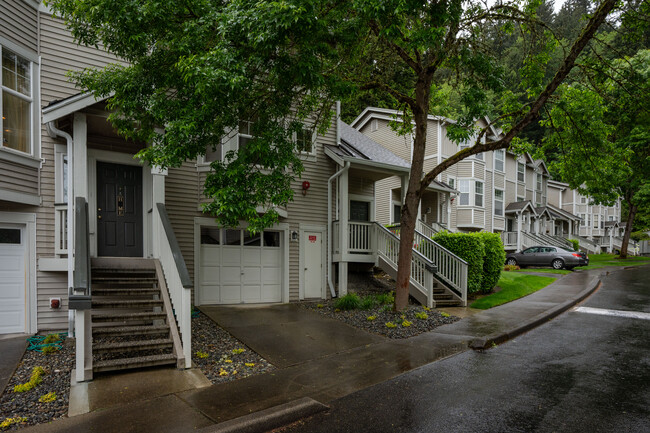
238,267
12,280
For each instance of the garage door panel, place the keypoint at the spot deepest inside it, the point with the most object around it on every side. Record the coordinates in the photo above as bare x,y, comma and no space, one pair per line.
272,293
231,256
12,286
231,275
210,255
273,275
210,294
230,294
210,275
252,257
251,293
272,257
252,276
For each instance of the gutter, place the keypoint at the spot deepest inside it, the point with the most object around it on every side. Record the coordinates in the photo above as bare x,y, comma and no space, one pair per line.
54,132
345,168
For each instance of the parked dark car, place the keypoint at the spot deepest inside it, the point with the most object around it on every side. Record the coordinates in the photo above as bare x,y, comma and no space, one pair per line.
548,255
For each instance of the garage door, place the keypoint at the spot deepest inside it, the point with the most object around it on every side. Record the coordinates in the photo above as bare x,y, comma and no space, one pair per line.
12,280
238,267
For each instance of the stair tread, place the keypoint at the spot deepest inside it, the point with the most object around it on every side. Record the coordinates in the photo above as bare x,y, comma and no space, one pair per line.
133,302
130,329
130,344
139,315
167,358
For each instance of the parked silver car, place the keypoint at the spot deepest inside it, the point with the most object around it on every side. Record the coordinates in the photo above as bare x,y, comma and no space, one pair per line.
548,255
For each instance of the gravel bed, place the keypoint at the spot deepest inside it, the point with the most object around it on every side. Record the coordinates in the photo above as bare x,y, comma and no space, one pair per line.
57,368
407,323
220,356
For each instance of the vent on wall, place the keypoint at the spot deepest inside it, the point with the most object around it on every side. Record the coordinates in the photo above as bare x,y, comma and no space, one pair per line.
374,125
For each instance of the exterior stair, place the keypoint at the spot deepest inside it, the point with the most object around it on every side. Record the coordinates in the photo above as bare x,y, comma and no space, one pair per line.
133,325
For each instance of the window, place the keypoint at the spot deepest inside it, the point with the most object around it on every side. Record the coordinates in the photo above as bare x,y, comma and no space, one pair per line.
271,239
451,182
210,236
466,144
359,210
583,200
397,213
539,182
498,202
16,85
10,236
478,194
463,187
521,172
374,125
305,141
499,156
245,133
611,218
596,221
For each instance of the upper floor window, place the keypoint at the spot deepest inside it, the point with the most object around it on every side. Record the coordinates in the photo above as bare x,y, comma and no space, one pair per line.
498,202
451,182
305,141
16,96
471,192
478,194
539,182
463,187
499,156
468,143
245,133
583,200
521,172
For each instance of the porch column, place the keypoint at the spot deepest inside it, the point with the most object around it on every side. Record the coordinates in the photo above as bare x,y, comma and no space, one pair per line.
77,187
158,196
344,217
611,240
519,215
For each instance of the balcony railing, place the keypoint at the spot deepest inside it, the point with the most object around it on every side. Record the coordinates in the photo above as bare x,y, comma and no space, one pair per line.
60,229
509,239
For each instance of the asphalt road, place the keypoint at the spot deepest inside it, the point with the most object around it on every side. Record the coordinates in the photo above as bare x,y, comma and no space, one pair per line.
586,371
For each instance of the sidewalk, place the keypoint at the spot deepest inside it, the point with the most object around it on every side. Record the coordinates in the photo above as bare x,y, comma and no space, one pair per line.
326,376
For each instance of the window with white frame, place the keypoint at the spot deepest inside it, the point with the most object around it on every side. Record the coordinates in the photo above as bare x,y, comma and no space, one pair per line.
611,218
596,218
583,199
463,187
478,193
499,158
521,172
498,202
451,182
397,212
539,182
61,170
469,143
16,96
245,133
305,141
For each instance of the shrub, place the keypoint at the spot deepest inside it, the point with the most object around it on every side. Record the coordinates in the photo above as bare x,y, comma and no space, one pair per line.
575,243
493,258
47,398
368,302
48,350
639,235
34,380
390,325
511,268
351,301
385,298
52,338
421,315
469,248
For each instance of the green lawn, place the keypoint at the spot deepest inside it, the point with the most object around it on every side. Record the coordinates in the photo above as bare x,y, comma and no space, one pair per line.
545,271
513,286
601,260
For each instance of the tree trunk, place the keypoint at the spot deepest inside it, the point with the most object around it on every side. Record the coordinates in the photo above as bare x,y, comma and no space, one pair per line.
414,192
628,229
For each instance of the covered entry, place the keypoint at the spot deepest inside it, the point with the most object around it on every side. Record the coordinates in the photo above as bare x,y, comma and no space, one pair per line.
238,267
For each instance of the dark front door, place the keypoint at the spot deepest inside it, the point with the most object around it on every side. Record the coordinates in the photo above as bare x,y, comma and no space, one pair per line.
119,210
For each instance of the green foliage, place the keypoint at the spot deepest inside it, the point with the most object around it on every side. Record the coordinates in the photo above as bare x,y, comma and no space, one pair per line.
371,318
368,302
8,422
421,315
509,268
469,248
385,298
640,235
201,355
390,325
47,398
52,338
49,350
34,380
406,323
513,286
576,244
351,301
493,259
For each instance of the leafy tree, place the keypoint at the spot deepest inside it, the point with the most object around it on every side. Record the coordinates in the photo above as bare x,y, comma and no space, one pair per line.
604,129
200,66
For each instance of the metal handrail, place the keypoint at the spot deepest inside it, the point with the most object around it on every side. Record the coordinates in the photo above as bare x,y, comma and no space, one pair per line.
80,295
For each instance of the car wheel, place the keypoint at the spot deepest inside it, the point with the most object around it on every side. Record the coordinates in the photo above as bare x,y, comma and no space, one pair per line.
511,262
557,264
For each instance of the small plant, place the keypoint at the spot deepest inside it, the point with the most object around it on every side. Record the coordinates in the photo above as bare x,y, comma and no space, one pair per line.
52,338
371,318
223,372
443,314
402,316
385,298
386,308
8,422
425,308
421,315
228,361
249,364
238,351
368,302
406,323
336,310
201,355
511,268
47,398
351,301
37,372
48,350
319,305
390,325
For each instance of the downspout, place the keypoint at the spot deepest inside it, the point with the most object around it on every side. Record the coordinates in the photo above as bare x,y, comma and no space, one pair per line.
53,132
345,168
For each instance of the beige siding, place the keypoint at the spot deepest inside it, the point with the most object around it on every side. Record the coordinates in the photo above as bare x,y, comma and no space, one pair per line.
553,196
499,180
18,23
383,199
464,169
463,217
400,145
18,178
479,170
360,186
480,218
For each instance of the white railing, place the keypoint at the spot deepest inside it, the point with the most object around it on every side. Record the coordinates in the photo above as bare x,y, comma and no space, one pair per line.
509,238
423,228
586,244
421,268
438,227
562,240
452,270
60,229
529,240
360,237
178,281
335,238
631,245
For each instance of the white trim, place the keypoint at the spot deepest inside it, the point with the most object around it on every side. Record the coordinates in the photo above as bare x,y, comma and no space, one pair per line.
30,55
365,198
20,197
203,221
52,264
28,221
69,106
95,155
11,155
302,228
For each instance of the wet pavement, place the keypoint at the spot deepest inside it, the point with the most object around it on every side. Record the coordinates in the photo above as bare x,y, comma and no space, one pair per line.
318,358
578,373
11,352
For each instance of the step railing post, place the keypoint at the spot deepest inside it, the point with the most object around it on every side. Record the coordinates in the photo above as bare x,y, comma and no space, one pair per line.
428,283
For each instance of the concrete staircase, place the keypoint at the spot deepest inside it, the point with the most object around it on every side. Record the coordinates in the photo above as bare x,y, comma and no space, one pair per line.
133,324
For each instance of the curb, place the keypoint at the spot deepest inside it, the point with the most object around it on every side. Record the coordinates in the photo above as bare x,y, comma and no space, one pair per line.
492,340
270,418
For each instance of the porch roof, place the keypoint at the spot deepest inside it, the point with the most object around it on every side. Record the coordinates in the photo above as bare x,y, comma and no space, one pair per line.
62,107
561,213
359,149
541,210
612,224
442,187
520,206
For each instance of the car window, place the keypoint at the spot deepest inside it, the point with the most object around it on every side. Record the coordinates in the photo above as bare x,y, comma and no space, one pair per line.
550,250
531,250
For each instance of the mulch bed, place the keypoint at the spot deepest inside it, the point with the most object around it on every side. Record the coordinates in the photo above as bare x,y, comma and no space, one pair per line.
220,356
26,405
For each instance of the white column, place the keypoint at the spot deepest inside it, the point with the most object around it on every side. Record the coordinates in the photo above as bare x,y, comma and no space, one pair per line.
80,165
158,193
83,353
519,215
344,214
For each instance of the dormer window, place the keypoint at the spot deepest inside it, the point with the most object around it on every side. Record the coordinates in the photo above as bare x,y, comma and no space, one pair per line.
521,172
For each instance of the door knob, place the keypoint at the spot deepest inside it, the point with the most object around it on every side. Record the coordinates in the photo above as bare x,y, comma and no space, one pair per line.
99,209
99,217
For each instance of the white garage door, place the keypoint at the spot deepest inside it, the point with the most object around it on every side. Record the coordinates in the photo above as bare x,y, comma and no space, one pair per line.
238,267
12,280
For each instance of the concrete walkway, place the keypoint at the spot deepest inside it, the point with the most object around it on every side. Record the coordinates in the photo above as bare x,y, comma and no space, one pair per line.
11,352
320,359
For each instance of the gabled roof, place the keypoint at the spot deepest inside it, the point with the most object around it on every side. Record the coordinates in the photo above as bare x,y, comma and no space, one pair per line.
612,224
442,186
561,213
358,148
542,164
62,107
543,210
521,206
557,184
388,114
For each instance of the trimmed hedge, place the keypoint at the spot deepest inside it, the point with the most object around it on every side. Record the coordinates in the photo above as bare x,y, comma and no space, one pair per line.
469,248
576,244
484,254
